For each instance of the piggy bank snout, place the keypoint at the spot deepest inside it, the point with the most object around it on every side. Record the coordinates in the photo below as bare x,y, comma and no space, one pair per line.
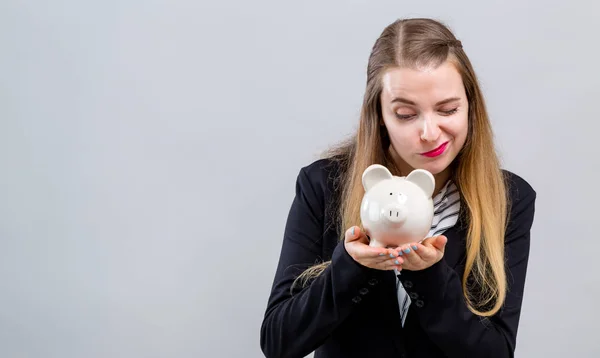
394,213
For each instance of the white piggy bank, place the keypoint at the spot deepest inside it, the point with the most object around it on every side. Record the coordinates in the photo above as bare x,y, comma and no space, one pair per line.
396,210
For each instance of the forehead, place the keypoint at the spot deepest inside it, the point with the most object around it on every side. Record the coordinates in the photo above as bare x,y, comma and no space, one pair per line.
422,84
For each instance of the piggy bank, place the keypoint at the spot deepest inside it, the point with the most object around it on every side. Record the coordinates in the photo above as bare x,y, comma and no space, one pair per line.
396,210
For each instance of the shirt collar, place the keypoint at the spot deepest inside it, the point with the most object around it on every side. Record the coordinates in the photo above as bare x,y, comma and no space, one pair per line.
440,201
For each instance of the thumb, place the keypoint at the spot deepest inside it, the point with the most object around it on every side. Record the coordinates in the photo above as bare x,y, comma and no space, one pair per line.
356,234
352,234
440,242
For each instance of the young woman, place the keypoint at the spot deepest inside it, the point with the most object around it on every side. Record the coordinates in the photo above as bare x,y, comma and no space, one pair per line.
457,293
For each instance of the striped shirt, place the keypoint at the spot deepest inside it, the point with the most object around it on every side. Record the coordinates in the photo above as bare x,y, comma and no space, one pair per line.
446,207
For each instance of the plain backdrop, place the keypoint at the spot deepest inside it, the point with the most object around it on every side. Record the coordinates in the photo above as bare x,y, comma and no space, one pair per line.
149,151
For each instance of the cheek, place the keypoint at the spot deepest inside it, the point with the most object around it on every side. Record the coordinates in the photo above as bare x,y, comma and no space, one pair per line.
459,129
403,137
401,132
464,130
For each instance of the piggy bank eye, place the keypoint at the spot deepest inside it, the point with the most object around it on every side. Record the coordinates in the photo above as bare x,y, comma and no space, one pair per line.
391,193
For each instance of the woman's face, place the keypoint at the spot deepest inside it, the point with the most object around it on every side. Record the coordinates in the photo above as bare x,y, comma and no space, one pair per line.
425,112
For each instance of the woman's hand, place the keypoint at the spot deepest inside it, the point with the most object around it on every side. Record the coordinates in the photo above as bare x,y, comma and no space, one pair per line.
421,256
357,245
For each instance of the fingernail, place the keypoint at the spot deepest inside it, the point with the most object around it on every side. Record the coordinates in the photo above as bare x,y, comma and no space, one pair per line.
381,254
407,250
400,253
391,255
353,228
415,247
396,262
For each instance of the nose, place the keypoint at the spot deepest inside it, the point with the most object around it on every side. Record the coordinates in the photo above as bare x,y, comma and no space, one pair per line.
394,213
430,132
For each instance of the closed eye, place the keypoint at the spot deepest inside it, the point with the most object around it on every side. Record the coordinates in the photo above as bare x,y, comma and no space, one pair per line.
450,112
405,117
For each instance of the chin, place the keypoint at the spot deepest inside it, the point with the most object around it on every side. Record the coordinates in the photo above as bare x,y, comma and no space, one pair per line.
434,166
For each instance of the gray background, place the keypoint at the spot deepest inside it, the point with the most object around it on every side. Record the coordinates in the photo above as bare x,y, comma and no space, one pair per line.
149,151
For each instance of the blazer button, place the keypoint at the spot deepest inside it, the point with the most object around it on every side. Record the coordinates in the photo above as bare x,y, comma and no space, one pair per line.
373,282
407,284
356,299
413,295
363,291
419,303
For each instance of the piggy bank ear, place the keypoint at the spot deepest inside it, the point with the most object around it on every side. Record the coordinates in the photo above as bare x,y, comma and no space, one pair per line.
374,174
423,179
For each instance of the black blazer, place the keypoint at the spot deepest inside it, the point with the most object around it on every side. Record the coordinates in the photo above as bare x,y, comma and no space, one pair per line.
352,311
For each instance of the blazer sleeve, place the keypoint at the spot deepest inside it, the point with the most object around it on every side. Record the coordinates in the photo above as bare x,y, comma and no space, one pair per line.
296,323
437,297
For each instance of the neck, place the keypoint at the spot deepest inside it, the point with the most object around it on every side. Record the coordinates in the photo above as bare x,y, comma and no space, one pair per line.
440,180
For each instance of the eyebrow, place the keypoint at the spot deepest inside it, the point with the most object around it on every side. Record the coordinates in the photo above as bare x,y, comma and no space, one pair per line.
406,101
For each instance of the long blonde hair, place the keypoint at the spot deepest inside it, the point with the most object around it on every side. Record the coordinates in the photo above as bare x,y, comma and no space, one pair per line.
476,170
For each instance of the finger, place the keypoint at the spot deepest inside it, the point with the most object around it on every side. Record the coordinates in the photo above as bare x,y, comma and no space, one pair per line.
355,234
437,242
428,241
385,261
395,253
440,242
395,261
352,234
425,253
390,264
388,254
409,254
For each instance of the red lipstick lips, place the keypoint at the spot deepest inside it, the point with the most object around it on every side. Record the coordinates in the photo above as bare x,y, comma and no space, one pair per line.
437,151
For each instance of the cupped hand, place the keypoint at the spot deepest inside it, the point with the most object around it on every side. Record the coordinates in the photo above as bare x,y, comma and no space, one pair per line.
419,256
356,243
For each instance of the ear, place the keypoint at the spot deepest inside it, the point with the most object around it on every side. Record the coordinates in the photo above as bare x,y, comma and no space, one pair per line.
374,174
423,179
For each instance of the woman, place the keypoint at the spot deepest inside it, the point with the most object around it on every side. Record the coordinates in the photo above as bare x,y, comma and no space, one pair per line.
458,293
